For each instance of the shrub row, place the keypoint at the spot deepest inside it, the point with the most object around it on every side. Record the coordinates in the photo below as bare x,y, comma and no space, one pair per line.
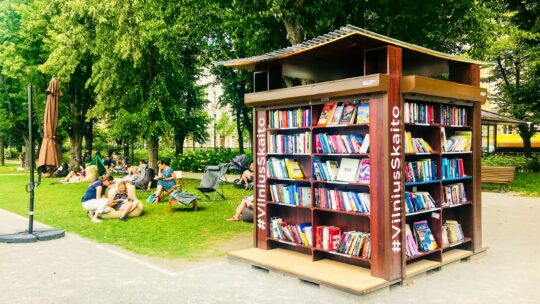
196,161
521,163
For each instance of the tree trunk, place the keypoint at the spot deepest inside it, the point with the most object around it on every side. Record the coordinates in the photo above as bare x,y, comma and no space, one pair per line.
248,123
2,163
239,129
125,145
89,136
75,152
179,139
526,132
59,148
153,146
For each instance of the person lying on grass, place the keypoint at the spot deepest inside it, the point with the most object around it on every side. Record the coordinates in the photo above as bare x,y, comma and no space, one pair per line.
93,200
121,201
74,176
247,202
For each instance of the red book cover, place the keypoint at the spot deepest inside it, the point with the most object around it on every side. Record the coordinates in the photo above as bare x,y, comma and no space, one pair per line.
335,235
339,200
326,114
461,168
318,236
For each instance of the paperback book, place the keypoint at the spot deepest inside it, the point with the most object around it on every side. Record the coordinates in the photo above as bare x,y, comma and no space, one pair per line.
451,233
420,171
355,243
416,145
292,118
296,143
342,200
291,194
284,168
327,237
424,238
452,168
341,144
418,113
417,201
298,234
454,194
453,115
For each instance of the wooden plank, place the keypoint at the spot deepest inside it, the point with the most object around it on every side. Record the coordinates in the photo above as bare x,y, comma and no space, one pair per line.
434,87
330,273
345,87
420,266
455,255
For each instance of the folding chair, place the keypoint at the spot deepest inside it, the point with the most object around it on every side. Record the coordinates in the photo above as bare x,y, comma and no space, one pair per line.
178,186
224,167
210,183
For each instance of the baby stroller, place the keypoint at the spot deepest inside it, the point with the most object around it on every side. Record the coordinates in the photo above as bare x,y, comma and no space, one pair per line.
239,164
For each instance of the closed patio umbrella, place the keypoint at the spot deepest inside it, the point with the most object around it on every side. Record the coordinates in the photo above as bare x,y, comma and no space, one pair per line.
48,155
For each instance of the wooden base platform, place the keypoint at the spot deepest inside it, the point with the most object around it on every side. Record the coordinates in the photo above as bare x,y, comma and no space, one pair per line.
351,279
449,256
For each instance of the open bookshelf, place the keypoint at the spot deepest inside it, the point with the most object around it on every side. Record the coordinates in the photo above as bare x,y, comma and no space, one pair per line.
424,156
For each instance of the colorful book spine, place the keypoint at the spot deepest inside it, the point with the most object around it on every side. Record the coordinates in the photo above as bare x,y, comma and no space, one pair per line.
339,144
291,194
417,201
419,113
291,118
355,243
451,233
416,145
452,168
327,237
420,171
454,194
284,168
410,243
453,116
424,238
342,200
297,143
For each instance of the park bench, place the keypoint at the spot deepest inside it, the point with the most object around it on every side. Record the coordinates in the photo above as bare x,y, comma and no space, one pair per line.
498,175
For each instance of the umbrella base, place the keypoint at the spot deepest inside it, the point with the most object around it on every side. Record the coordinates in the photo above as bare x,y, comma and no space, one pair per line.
37,235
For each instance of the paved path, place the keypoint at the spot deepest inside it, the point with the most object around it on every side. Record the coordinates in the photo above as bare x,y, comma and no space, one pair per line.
74,270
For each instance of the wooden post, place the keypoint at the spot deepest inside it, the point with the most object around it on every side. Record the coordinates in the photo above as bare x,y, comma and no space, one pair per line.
260,221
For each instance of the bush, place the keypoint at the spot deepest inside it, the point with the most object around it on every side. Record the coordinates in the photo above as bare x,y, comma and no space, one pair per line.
196,161
521,163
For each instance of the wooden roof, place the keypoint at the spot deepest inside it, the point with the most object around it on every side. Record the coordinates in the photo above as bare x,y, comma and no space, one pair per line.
490,117
345,33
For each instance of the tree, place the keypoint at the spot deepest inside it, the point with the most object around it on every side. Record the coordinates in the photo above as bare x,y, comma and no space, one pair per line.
517,54
225,126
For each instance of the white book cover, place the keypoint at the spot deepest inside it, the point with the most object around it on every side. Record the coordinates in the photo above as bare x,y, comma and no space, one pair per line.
365,144
347,169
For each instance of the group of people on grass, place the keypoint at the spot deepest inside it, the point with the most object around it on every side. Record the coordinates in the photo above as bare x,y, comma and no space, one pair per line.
95,203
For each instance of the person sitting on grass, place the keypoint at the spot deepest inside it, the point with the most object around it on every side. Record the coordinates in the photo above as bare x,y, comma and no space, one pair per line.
93,200
247,176
133,174
74,176
166,179
121,201
247,202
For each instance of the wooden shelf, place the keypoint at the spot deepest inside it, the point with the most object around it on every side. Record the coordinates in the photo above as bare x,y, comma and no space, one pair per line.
289,205
288,243
456,126
353,257
286,154
289,129
422,154
422,183
453,255
342,212
455,179
457,205
422,211
296,180
420,266
365,125
422,254
365,184
457,152
412,124
342,154
465,240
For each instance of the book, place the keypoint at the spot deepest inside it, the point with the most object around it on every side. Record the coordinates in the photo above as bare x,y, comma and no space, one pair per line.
326,114
291,194
454,194
290,118
353,243
291,144
348,169
340,144
418,113
293,169
365,145
453,115
342,200
424,238
451,233
347,116
328,237
460,141
362,113
422,170
337,115
410,242
363,174
452,168
281,230
416,145
416,201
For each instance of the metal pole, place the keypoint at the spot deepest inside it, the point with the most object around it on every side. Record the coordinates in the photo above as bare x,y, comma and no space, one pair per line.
31,164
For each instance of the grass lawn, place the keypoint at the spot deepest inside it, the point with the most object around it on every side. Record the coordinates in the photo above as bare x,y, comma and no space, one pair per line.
9,168
183,234
527,184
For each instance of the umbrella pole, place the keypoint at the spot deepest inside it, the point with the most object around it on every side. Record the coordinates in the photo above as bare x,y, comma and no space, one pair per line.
31,185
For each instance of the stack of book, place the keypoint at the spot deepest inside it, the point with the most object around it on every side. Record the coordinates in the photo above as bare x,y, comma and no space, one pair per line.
454,194
355,243
298,234
353,143
350,170
416,201
410,242
342,200
292,118
297,143
459,142
420,171
334,113
452,168
416,145
423,236
284,168
291,194
327,237
451,232
453,116
419,113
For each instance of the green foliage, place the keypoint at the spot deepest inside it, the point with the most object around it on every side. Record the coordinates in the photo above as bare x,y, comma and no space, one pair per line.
183,234
225,126
525,184
198,160
521,163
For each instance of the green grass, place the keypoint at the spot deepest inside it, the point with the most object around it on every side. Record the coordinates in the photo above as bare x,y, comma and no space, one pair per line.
9,168
527,184
183,234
